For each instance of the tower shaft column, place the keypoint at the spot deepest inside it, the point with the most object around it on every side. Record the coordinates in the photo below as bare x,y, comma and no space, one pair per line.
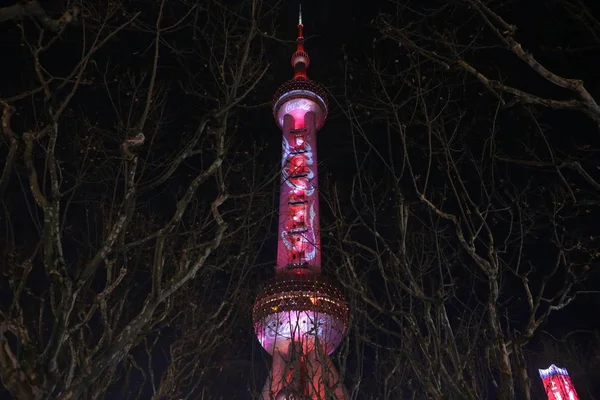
298,249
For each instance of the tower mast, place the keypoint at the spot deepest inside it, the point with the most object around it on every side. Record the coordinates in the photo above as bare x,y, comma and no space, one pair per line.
300,109
299,317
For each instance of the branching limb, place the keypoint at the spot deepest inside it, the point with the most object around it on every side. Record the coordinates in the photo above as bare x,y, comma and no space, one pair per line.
9,162
33,9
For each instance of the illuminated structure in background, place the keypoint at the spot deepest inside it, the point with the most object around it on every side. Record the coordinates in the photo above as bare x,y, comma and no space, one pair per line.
558,384
299,317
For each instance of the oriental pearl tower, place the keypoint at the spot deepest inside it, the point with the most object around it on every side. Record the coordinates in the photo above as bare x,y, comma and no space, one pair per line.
299,317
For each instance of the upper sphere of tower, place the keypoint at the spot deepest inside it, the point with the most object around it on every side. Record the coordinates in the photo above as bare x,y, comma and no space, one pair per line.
299,96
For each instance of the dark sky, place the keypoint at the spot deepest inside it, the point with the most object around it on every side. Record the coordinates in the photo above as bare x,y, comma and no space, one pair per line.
337,29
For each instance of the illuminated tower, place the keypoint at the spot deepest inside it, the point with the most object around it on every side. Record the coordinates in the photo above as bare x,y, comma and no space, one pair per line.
299,317
557,383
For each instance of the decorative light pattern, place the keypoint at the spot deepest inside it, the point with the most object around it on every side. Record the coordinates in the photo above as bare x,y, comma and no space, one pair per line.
298,213
557,383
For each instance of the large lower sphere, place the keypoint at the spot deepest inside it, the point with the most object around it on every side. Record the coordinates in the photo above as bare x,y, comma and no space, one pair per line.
306,310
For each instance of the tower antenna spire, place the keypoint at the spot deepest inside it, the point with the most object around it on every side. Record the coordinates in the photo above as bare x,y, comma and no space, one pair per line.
300,58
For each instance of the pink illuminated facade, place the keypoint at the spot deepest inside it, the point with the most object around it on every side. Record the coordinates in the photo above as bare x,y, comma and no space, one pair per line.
557,383
299,317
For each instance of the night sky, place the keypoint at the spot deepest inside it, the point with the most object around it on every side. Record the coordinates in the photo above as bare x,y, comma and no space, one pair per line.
363,174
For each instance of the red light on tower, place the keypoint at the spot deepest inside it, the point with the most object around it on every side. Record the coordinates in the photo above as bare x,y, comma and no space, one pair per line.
557,383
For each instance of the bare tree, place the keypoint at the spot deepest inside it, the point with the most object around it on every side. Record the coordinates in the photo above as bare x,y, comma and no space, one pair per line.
121,186
469,220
